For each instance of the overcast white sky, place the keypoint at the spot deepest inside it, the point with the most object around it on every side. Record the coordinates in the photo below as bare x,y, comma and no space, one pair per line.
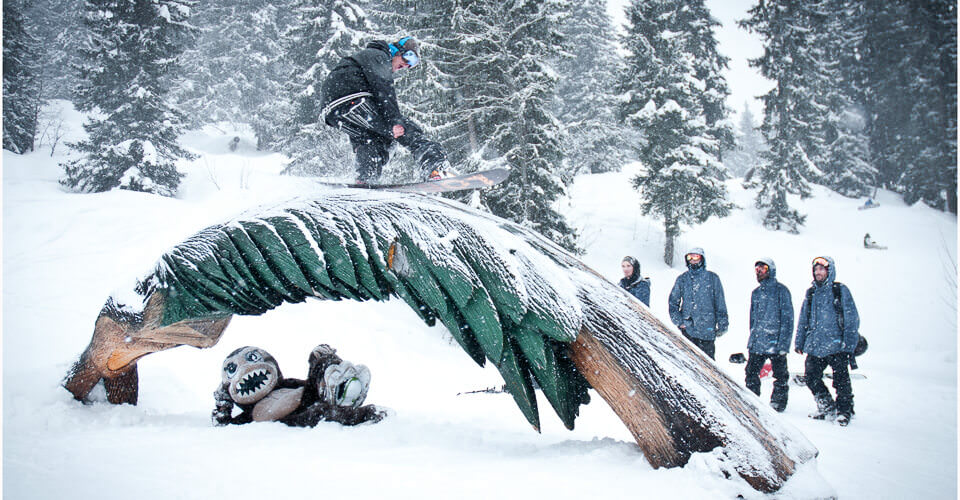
745,82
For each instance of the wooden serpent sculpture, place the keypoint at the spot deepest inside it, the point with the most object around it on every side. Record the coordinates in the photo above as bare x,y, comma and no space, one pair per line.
508,296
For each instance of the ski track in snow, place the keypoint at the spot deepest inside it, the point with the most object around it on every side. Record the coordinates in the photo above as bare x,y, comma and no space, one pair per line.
64,254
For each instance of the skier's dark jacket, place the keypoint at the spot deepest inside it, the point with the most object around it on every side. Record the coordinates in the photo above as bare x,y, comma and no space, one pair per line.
368,70
771,316
818,332
638,286
697,302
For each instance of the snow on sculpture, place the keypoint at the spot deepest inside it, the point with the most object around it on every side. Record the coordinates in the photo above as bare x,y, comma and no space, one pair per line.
507,295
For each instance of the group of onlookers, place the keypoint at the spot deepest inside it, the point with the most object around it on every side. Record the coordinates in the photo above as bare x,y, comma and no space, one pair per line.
827,329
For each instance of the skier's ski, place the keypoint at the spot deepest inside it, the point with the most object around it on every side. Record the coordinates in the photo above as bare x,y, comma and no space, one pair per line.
474,180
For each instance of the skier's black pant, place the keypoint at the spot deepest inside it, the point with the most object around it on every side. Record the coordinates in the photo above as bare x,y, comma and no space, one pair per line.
371,137
781,376
707,346
813,373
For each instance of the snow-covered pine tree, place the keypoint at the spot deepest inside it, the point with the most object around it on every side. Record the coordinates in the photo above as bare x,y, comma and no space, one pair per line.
682,180
791,113
236,70
509,86
749,143
21,79
708,67
836,41
911,74
587,104
485,89
131,131
59,29
322,32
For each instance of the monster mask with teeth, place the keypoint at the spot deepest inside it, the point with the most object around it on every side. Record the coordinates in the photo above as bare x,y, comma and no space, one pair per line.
251,380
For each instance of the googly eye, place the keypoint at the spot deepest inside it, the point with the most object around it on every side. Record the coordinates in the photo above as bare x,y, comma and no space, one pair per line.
253,356
231,368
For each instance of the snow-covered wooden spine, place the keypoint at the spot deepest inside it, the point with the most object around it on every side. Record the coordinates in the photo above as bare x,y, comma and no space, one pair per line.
507,295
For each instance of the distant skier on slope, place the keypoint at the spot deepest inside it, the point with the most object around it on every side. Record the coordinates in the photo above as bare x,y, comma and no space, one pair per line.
359,99
870,244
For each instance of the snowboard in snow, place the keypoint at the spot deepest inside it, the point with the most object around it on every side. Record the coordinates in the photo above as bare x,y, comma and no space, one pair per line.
475,180
801,380
795,378
865,207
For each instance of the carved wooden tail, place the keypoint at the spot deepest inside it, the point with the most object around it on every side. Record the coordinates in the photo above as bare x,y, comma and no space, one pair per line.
118,343
695,408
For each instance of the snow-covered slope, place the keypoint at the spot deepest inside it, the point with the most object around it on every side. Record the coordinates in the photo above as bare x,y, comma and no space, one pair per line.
64,253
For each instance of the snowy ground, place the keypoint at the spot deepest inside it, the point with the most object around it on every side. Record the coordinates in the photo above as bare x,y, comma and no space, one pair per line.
64,253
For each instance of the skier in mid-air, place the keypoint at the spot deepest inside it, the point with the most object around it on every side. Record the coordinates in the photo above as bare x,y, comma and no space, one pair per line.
359,99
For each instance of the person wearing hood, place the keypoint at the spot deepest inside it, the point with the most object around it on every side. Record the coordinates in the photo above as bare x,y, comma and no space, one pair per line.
828,332
697,305
358,98
632,282
771,329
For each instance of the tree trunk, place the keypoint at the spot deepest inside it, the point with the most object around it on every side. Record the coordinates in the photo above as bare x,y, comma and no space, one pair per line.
672,229
472,134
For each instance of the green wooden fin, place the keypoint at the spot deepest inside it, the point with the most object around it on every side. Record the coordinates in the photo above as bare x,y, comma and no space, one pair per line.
517,380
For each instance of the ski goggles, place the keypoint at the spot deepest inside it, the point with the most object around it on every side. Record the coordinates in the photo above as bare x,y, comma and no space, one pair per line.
821,261
693,257
760,266
411,58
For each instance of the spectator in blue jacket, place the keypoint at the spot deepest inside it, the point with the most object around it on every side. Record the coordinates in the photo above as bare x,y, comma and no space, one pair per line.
771,329
697,305
632,282
827,332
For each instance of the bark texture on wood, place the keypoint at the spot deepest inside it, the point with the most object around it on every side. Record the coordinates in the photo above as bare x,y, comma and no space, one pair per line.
120,340
670,416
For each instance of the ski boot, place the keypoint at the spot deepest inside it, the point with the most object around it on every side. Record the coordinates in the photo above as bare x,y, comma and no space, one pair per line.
826,409
845,410
778,400
441,171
